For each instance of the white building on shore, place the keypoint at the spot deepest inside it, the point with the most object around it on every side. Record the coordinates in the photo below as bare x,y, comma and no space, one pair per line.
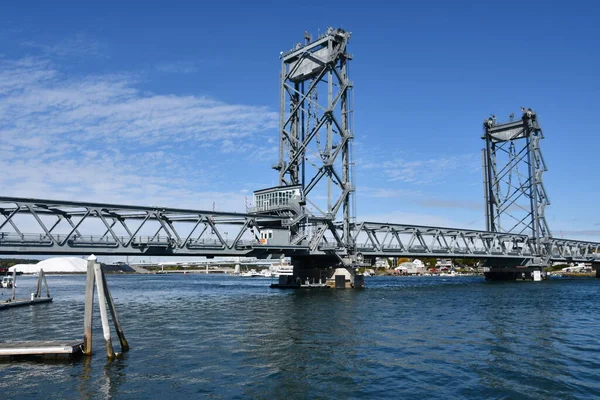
416,267
53,265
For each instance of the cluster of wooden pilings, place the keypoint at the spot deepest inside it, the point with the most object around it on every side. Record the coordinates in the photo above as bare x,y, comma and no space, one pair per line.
35,298
53,349
95,273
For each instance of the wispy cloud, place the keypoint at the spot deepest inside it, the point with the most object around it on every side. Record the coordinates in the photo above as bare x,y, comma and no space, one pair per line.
456,204
387,193
423,219
425,171
569,232
180,67
100,138
78,45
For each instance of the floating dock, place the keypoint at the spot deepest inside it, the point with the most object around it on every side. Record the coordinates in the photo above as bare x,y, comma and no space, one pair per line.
36,298
24,302
44,349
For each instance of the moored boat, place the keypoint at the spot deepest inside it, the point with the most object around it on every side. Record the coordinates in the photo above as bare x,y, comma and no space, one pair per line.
7,282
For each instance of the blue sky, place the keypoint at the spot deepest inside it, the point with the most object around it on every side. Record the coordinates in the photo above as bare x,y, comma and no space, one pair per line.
176,103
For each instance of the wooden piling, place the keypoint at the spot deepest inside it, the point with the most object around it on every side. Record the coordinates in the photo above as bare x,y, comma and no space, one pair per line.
95,274
89,305
103,314
113,313
46,284
14,283
38,286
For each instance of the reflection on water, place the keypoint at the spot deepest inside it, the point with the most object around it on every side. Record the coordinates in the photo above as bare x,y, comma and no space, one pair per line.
227,337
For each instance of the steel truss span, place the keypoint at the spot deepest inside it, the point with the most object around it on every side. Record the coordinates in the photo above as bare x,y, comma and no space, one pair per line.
62,227
375,239
37,226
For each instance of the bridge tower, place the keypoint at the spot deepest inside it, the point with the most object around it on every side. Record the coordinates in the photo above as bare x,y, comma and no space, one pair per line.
315,147
514,193
315,134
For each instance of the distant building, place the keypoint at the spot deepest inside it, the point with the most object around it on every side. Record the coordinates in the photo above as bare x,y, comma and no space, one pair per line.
581,267
444,264
53,265
416,267
381,263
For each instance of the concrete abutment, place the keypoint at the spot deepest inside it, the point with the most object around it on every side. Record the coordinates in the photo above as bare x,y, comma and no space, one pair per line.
322,272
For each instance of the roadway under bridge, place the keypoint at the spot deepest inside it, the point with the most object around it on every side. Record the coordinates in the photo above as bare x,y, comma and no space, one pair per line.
315,162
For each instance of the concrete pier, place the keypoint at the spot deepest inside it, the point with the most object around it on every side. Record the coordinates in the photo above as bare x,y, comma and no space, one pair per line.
323,273
515,274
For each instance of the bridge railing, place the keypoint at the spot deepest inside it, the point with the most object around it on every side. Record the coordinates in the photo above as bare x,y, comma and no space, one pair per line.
91,240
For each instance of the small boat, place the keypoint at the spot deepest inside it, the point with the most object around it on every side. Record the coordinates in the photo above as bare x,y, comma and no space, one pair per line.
281,269
7,282
451,273
255,274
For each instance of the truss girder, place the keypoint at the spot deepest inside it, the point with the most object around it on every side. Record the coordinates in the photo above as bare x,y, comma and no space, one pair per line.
394,240
73,228
61,228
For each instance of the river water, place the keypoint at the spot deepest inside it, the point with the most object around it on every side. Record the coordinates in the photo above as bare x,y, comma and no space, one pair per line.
198,336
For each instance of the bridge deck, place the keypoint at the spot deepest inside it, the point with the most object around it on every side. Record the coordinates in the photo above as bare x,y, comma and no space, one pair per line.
107,229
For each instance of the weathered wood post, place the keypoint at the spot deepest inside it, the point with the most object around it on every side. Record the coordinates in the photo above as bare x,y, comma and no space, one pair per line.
14,283
45,283
113,313
89,305
103,314
38,288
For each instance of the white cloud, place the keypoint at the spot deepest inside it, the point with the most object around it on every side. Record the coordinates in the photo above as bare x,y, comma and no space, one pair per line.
460,204
399,217
384,193
425,171
180,67
100,138
78,45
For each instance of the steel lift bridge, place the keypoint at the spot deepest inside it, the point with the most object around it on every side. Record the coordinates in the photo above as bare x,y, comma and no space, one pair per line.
310,215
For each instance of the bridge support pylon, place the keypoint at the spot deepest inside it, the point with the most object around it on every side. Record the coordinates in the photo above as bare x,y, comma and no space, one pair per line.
322,272
514,270
596,267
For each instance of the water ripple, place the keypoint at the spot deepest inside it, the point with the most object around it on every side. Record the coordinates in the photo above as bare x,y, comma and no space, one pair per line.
226,337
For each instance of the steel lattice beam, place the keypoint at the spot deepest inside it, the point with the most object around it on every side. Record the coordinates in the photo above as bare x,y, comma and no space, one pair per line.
82,228
375,239
63,227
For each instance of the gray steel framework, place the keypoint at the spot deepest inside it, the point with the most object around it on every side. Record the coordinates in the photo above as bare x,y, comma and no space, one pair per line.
37,226
62,227
376,239
513,166
73,228
316,135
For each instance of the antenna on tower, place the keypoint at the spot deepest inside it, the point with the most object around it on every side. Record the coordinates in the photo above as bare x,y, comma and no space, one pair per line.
307,37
